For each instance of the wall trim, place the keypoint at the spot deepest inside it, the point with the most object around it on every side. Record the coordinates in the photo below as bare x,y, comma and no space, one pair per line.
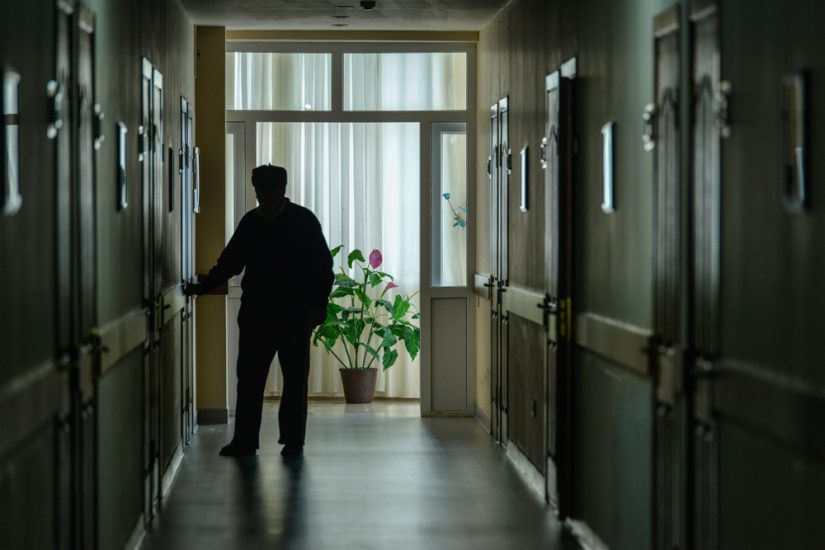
171,472
482,418
529,473
207,417
587,537
479,286
138,536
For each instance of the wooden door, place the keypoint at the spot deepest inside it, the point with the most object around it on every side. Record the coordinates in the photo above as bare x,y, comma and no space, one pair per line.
663,140
187,261
60,128
498,172
557,161
83,208
149,151
502,166
493,174
35,442
168,274
707,97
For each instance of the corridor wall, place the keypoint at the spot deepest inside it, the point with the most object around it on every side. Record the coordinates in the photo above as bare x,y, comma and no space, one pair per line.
767,386
57,492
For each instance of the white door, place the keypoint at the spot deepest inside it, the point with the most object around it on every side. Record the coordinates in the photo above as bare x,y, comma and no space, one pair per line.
447,385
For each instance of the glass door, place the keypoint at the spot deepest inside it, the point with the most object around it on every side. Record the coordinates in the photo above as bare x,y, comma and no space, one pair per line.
448,292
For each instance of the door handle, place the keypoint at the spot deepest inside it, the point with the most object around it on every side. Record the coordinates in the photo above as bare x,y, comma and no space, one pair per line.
704,368
549,306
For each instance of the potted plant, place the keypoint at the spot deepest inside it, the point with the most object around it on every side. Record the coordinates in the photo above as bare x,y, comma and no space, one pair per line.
368,323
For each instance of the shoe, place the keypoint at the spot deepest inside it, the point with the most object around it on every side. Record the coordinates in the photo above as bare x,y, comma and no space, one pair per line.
234,450
292,451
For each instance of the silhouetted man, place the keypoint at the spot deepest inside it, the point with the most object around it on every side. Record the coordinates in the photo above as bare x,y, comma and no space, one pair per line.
286,285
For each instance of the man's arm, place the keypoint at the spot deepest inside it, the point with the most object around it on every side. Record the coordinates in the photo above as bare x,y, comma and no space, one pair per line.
319,271
230,263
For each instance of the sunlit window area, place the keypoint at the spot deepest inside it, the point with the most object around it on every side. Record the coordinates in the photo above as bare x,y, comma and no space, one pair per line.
274,81
420,81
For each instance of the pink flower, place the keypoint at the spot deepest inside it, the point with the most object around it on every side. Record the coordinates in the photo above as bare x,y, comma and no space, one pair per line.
391,285
375,258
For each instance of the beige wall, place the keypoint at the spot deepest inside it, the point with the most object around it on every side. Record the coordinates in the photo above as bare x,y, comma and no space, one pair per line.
210,109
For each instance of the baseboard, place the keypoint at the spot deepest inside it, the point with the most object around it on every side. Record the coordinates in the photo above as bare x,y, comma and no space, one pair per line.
171,472
529,473
446,414
483,419
208,417
138,535
587,537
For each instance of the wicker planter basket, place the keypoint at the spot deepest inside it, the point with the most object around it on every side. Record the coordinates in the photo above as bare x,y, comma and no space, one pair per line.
359,384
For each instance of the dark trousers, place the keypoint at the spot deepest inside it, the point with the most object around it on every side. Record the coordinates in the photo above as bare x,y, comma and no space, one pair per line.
258,344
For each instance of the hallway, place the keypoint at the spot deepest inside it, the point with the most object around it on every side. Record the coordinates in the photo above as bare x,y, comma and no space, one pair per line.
374,476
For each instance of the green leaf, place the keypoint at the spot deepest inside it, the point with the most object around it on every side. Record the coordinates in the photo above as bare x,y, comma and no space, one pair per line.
389,340
341,292
385,303
400,307
371,350
353,256
352,309
345,281
416,316
336,250
389,358
375,279
412,341
363,297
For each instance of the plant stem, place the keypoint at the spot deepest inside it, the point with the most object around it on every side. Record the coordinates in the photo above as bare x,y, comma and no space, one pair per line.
346,349
329,349
361,319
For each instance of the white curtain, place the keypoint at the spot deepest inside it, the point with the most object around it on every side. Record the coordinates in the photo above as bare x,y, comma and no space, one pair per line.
362,181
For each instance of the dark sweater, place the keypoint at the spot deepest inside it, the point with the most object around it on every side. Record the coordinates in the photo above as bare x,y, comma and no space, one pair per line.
288,267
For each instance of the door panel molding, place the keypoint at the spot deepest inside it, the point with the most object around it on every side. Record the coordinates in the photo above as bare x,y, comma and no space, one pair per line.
28,402
120,337
626,345
741,387
523,302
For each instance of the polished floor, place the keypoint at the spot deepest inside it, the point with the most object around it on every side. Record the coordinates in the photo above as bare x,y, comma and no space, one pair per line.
373,477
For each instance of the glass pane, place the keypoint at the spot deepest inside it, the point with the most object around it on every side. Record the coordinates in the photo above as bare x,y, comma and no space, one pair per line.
405,81
278,81
449,252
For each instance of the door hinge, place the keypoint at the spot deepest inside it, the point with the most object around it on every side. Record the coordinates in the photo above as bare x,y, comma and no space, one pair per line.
723,108
565,313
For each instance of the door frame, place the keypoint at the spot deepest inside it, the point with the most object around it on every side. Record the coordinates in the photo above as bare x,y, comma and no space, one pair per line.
425,119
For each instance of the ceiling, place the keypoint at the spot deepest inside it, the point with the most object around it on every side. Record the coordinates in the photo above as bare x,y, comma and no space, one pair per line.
410,15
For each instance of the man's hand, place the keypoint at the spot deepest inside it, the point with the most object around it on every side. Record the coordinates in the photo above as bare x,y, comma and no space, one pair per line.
193,289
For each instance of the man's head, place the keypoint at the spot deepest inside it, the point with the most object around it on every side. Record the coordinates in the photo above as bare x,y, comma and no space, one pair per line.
269,183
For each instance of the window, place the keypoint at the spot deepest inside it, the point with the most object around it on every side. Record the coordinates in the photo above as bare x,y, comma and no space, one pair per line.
278,81
420,81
